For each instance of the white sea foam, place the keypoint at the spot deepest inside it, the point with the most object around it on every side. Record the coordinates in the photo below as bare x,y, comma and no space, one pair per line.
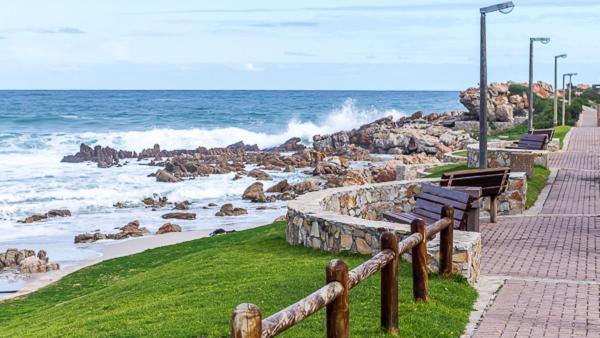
348,116
34,181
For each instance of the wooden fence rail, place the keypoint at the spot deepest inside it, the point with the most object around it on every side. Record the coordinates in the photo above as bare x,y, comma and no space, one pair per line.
247,322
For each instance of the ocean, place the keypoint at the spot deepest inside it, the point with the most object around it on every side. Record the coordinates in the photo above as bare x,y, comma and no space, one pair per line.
38,128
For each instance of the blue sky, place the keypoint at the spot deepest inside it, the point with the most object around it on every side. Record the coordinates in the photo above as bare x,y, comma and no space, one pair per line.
234,44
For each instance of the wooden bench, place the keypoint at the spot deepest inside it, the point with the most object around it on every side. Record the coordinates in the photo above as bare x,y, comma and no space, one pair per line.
548,132
532,142
492,181
429,204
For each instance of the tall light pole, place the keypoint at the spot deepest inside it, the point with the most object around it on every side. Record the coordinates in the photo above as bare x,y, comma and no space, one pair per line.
530,98
563,100
561,56
505,8
571,84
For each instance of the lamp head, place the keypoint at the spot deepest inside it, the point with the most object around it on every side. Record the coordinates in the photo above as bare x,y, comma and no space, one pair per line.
561,56
542,40
504,8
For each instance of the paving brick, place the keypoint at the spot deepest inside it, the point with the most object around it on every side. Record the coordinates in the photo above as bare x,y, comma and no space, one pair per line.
551,260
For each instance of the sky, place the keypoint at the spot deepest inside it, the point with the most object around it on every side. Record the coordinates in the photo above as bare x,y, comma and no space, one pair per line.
275,44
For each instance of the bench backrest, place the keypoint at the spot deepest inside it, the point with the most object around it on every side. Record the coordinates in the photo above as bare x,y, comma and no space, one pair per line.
432,198
492,181
533,141
548,132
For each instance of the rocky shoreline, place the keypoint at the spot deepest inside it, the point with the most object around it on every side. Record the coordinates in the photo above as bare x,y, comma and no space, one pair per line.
371,153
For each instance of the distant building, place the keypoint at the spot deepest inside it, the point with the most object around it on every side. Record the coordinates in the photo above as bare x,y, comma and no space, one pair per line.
596,87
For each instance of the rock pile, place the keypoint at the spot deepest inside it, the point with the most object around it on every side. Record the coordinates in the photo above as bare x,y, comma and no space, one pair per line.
410,135
26,261
132,229
503,106
105,157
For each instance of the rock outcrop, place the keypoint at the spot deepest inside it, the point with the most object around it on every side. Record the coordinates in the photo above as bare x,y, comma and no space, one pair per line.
408,135
105,157
26,261
502,105
131,229
52,213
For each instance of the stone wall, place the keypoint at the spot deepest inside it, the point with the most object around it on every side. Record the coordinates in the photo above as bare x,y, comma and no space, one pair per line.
348,219
499,155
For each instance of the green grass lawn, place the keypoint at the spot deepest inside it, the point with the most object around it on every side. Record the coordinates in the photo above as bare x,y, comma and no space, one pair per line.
191,288
436,172
535,184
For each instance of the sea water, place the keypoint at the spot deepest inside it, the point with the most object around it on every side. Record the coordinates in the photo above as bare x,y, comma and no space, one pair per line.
38,128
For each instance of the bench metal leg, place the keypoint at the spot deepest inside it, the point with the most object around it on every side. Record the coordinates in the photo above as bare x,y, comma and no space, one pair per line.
493,208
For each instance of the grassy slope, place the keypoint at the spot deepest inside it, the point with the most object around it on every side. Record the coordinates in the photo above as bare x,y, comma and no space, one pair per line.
535,184
189,289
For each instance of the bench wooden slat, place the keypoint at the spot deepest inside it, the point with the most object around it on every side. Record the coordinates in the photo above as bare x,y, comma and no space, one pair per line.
446,193
436,208
443,201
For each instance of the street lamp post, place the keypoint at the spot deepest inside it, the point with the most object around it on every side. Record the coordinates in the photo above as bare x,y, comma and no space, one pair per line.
505,8
561,56
563,99
571,84
530,97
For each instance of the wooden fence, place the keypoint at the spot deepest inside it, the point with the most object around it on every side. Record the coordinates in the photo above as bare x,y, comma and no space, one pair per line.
247,322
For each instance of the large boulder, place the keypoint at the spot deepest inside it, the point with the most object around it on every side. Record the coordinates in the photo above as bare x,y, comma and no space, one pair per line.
259,175
281,186
165,176
26,261
168,227
305,186
229,210
255,193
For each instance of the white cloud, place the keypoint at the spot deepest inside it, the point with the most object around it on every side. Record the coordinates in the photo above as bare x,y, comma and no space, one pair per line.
250,67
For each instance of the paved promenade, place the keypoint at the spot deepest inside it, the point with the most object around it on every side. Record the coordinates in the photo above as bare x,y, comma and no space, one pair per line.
551,261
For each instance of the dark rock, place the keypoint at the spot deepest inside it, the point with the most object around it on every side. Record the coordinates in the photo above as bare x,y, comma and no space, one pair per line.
220,231
180,215
292,144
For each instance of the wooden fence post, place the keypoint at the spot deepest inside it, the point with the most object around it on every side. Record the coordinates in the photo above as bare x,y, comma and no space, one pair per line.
246,321
598,115
419,262
338,311
447,242
389,286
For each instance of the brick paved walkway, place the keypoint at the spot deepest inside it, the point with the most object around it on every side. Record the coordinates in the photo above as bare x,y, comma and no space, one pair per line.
551,261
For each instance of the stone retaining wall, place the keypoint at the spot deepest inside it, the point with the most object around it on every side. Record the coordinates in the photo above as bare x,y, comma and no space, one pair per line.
346,219
499,156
